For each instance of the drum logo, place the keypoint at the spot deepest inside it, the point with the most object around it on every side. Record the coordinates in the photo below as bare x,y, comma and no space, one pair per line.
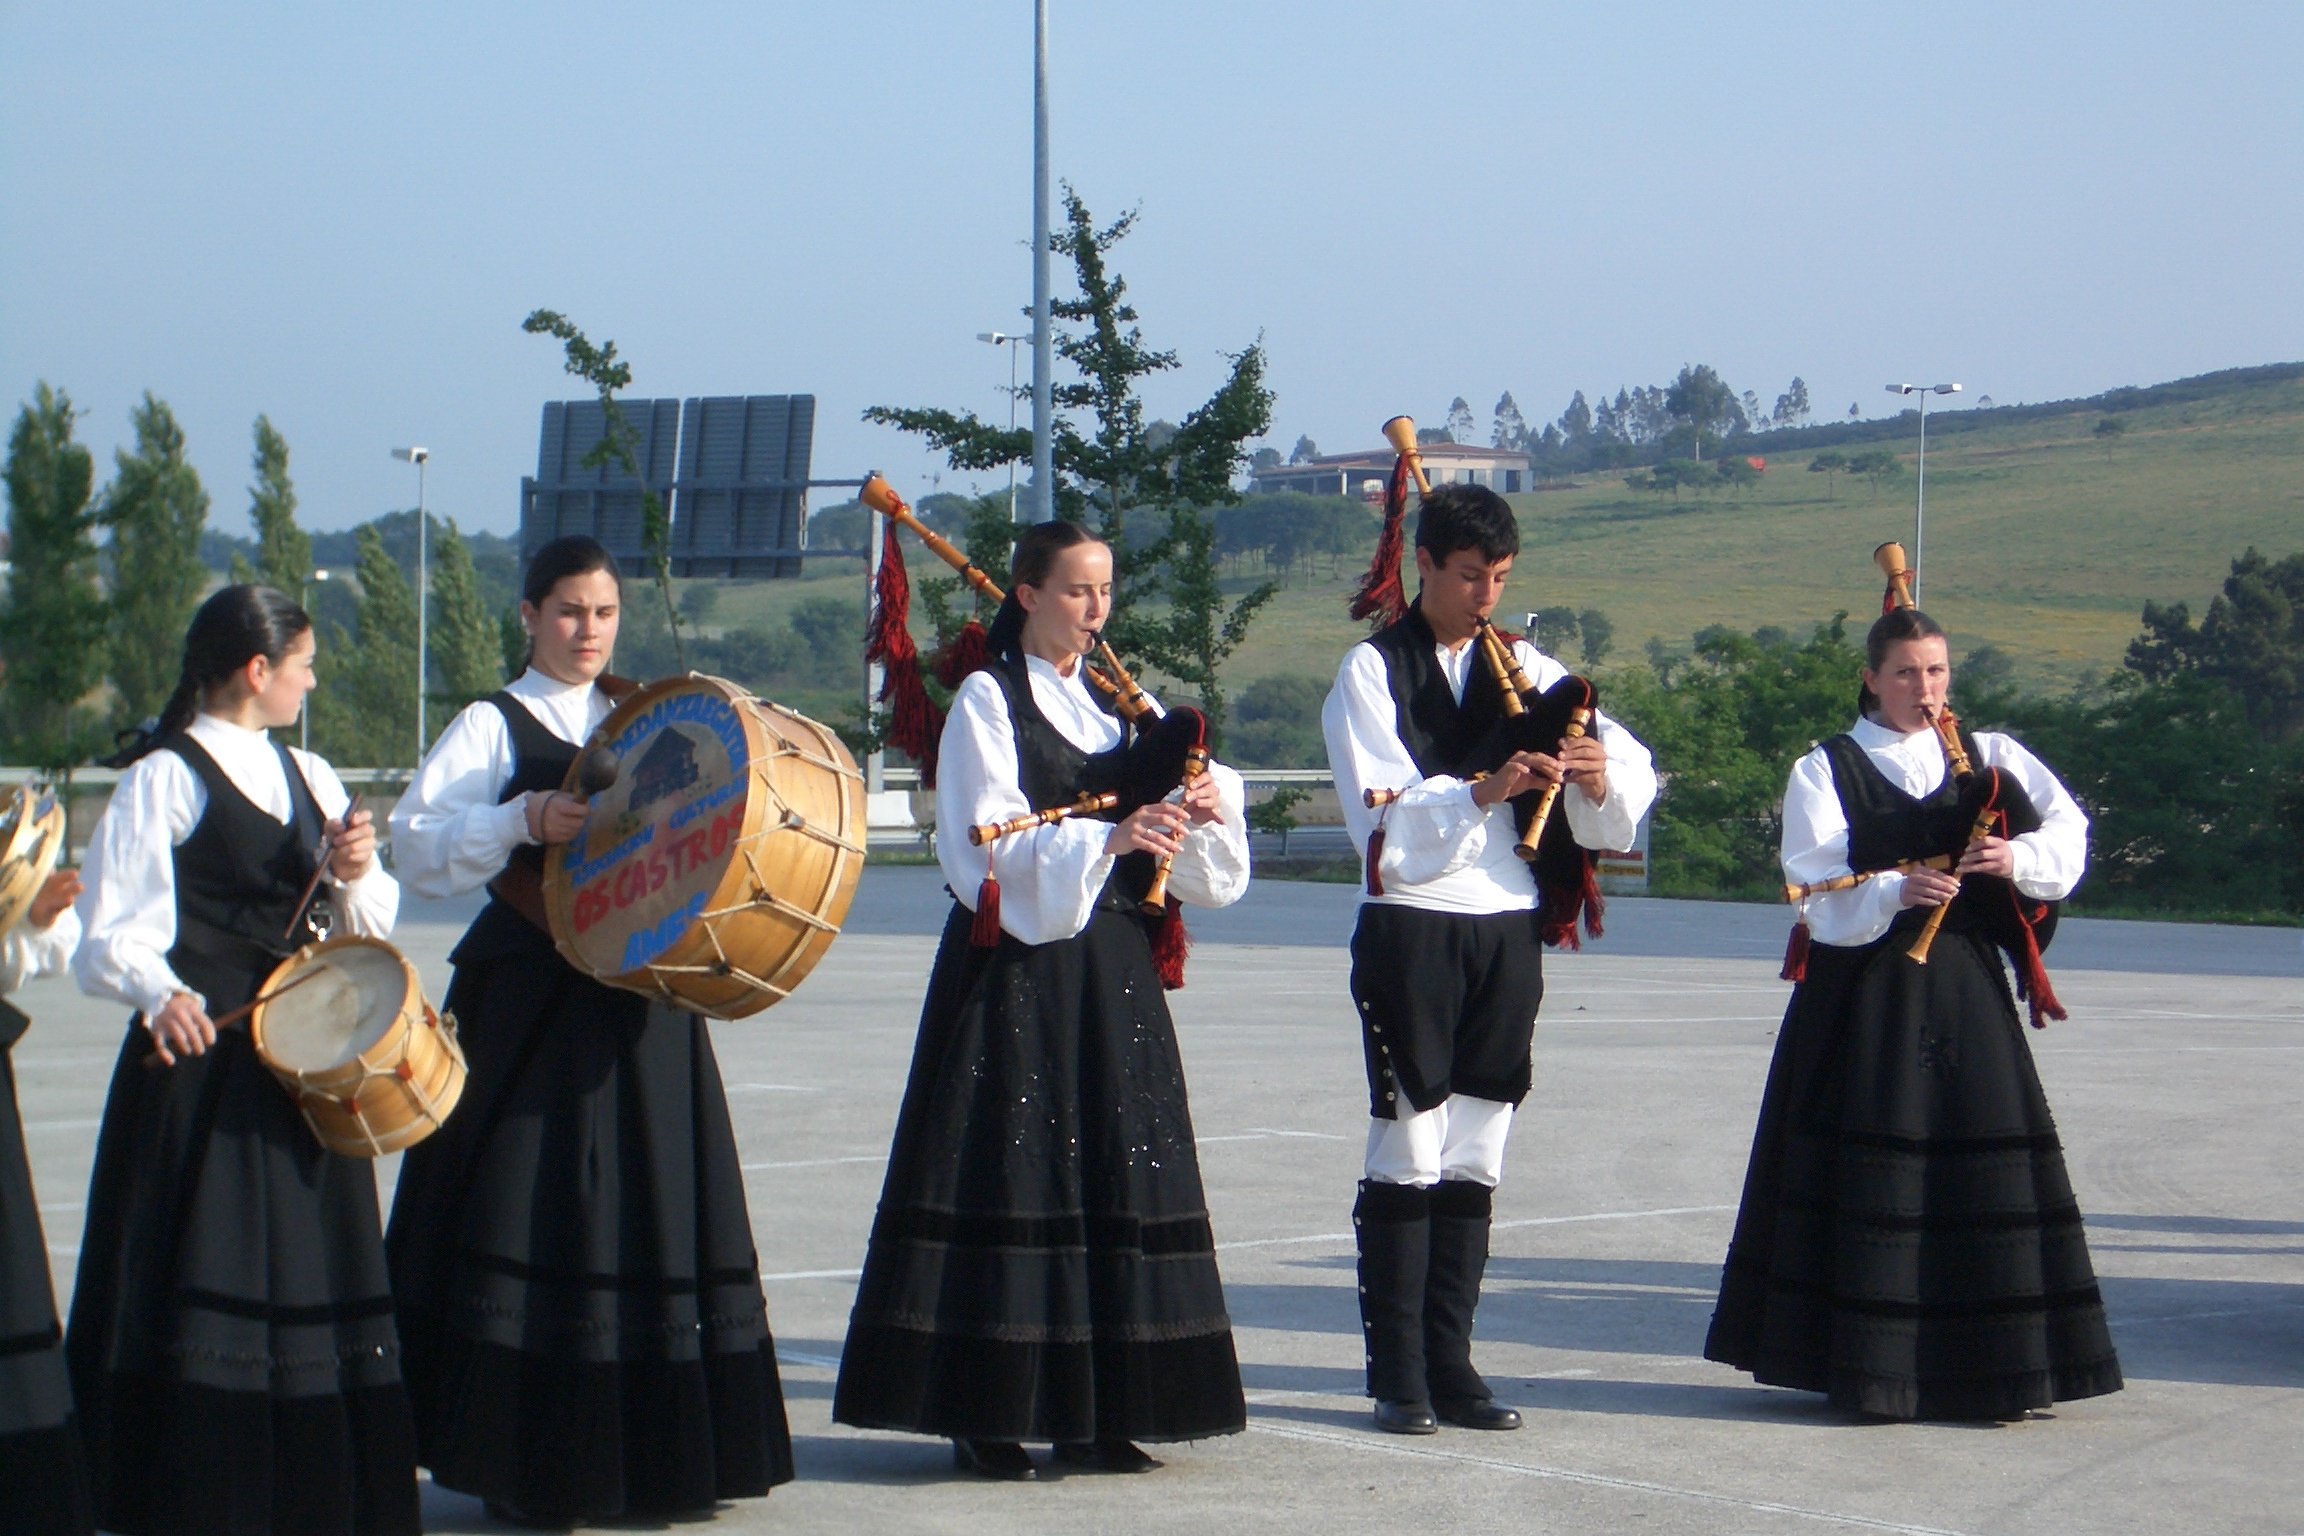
666,768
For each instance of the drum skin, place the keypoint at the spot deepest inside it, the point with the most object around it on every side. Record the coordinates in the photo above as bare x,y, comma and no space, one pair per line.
717,868
398,1070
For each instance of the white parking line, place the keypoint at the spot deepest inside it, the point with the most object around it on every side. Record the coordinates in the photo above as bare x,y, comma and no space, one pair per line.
1364,1444
818,1162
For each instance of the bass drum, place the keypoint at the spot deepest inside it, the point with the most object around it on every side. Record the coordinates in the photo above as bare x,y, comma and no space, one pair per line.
717,866
31,843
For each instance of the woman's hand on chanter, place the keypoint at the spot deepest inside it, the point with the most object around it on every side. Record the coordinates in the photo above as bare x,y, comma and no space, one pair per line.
1156,829
181,1028
1202,801
555,816
1929,887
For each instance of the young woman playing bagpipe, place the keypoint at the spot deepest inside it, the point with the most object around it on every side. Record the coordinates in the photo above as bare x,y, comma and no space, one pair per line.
1041,1267
582,1312
43,1475
231,1341
1908,1242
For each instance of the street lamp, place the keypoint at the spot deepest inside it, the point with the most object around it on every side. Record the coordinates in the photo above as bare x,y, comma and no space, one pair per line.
1002,339
304,713
419,457
1920,502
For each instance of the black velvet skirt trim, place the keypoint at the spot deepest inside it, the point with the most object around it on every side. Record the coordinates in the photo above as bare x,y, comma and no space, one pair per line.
1042,1266
231,1344
43,1476
581,1307
1908,1241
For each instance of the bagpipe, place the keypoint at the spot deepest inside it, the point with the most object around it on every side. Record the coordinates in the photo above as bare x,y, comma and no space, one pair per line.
1530,720
1160,750
1988,802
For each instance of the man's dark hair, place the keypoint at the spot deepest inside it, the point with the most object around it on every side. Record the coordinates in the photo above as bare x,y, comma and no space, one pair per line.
1464,516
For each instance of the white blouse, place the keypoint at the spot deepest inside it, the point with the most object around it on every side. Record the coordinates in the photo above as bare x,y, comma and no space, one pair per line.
449,834
2049,862
26,951
1051,876
128,909
1442,852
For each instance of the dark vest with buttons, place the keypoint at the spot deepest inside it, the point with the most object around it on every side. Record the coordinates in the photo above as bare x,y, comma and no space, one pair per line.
1052,771
513,921
238,877
1442,735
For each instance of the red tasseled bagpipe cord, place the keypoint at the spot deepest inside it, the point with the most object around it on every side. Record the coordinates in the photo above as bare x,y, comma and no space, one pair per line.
1796,950
1170,942
1381,596
967,653
914,721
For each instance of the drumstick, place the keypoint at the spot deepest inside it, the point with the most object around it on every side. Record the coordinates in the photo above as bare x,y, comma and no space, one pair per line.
318,869
248,1007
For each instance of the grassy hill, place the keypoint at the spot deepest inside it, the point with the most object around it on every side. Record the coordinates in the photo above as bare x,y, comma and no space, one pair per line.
2042,539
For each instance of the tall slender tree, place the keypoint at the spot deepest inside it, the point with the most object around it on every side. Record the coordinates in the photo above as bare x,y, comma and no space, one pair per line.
364,711
283,550
155,509
467,650
1511,428
52,607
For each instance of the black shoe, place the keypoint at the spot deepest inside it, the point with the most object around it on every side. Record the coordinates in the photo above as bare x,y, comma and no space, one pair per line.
1402,1416
1476,1413
1106,1456
505,1512
1001,1460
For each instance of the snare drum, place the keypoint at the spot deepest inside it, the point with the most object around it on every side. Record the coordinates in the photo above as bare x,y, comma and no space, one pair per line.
717,868
372,1067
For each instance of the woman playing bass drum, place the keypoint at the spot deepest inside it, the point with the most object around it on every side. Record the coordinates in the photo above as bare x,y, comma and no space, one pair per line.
580,1299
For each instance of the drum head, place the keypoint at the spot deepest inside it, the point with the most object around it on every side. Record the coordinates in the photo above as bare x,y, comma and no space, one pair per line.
337,1014
661,837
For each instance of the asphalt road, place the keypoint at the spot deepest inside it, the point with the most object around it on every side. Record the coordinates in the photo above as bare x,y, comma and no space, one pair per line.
2176,1084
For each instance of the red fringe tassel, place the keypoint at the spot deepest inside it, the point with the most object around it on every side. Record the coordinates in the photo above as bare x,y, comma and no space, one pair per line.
914,721
1375,857
1380,595
1170,946
967,653
1796,954
1595,906
2032,982
984,933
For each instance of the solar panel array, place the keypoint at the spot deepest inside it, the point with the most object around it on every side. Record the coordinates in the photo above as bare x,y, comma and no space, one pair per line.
732,469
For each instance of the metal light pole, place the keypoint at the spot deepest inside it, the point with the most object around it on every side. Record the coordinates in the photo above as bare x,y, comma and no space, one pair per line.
1920,502
1043,355
304,713
419,457
1002,339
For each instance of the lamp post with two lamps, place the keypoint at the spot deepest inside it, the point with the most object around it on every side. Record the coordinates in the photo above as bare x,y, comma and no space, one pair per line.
1003,339
419,457
1920,502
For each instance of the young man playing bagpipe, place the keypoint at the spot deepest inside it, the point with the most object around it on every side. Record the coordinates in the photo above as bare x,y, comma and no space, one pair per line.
1450,745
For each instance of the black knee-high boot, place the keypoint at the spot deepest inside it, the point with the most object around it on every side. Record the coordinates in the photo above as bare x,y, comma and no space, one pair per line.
1461,1211
1393,1225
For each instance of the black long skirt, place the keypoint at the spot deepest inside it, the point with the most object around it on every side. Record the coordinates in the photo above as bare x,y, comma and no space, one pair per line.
1908,1241
43,1477
1042,1267
231,1340
585,1330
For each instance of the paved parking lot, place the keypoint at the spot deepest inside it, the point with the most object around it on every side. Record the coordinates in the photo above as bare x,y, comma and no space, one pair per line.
2177,1084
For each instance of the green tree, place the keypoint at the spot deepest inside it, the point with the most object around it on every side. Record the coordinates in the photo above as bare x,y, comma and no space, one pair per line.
2251,642
1876,465
1555,630
1111,466
1598,635
364,711
1576,421
1304,452
1277,723
1458,422
466,648
2108,431
283,550
1828,465
1702,399
155,509
52,605
697,601
1792,405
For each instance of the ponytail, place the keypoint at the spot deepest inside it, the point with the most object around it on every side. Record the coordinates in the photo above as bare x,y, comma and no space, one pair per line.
235,626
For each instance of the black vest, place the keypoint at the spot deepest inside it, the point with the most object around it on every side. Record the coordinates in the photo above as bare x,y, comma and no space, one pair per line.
1052,771
1442,735
238,877
540,760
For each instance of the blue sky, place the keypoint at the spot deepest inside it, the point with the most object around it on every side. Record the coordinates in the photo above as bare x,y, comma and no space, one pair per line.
338,215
